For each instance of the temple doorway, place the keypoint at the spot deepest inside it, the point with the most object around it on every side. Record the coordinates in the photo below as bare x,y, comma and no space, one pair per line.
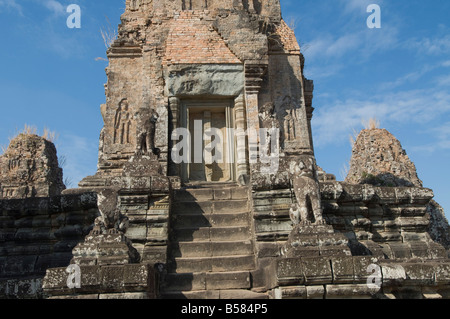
211,141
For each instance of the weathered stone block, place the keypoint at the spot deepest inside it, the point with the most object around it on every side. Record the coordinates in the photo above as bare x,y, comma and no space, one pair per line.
137,275
55,279
348,292
291,271
442,274
400,250
296,292
90,277
317,271
393,274
343,269
361,267
124,296
315,292
112,277
420,274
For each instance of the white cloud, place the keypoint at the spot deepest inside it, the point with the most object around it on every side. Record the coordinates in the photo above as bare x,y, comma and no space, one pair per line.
354,39
430,46
440,139
444,81
357,5
56,7
410,77
335,123
11,5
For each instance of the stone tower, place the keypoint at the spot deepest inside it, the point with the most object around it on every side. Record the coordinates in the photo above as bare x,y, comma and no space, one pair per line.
201,65
30,168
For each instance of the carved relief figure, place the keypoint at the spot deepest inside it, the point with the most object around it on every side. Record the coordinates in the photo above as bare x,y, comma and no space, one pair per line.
289,126
268,121
308,209
122,124
290,120
146,119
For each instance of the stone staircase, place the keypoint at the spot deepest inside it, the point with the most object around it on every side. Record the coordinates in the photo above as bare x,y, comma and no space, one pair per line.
211,254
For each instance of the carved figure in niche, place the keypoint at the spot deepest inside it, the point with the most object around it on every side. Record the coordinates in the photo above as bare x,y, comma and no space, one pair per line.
289,126
268,121
122,124
146,119
308,209
134,5
290,119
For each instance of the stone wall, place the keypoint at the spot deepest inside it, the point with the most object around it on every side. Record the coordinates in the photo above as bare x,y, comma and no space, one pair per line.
131,281
351,278
37,234
394,218
389,222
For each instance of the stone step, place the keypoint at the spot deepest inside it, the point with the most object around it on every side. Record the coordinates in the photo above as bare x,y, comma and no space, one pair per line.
213,220
211,249
207,281
212,264
215,295
212,234
209,194
210,207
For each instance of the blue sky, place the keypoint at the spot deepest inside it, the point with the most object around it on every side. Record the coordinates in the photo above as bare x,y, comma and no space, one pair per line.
51,77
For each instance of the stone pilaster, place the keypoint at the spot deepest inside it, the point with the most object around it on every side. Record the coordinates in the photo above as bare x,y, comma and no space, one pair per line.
253,81
241,144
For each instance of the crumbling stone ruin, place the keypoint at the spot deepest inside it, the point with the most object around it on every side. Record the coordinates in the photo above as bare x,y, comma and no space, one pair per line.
191,82
379,159
29,168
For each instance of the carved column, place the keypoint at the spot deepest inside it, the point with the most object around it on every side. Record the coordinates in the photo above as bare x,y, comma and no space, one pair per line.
242,164
309,90
174,107
253,80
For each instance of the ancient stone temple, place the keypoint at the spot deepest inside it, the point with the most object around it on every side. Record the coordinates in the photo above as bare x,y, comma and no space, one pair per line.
207,183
